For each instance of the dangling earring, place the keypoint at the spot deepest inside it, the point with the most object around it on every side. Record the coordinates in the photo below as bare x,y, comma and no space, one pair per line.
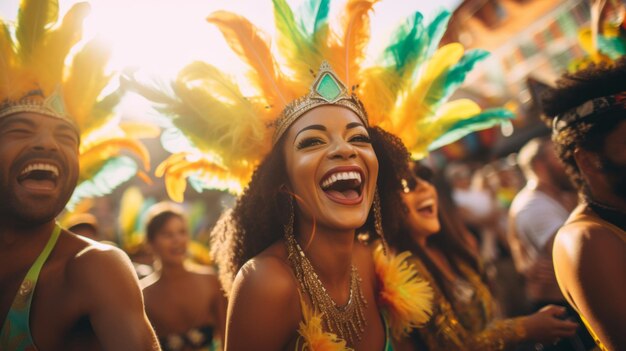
288,227
378,221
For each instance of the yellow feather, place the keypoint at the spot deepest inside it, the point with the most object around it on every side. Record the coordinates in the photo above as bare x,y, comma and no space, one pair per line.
7,60
85,82
178,167
434,126
347,52
131,204
315,338
585,40
49,57
168,162
378,92
405,297
92,156
140,130
411,105
300,52
83,206
34,18
247,41
217,117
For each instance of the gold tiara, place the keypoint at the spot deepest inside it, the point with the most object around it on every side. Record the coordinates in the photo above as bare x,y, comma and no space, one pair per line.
35,102
326,89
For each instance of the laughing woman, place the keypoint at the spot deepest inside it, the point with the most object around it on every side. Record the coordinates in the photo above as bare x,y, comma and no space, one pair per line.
302,280
463,317
312,174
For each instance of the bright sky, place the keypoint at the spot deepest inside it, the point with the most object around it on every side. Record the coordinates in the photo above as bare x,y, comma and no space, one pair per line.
161,36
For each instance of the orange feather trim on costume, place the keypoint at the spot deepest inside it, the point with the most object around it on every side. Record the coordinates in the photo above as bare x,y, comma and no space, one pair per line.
404,296
315,338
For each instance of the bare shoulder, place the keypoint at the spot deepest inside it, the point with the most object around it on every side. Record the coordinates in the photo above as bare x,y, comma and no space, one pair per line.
264,295
579,239
96,257
584,251
267,275
90,263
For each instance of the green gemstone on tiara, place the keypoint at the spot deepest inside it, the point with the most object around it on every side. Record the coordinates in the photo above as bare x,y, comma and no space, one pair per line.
328,87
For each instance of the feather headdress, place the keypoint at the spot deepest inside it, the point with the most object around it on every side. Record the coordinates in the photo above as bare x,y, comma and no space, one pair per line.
602,47
34,77
405,93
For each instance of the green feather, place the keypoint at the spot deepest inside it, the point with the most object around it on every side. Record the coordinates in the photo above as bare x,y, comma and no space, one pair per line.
447,82
436,29
113,173
457,73
408,44
483,120
197,184
104,108
33,19
313,15
286,23
197,218
612,47
143,213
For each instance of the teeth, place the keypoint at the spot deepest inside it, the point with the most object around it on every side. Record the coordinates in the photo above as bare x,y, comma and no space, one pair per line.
427,203
41,167
341,176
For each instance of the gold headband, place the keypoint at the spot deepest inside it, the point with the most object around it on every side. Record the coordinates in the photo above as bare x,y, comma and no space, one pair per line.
52,106
327,89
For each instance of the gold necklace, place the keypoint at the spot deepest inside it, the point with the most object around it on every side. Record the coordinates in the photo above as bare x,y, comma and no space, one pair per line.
347,321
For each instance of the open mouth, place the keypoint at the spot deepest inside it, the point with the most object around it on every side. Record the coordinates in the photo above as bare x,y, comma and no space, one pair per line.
344,185
39,176
427,208
179,251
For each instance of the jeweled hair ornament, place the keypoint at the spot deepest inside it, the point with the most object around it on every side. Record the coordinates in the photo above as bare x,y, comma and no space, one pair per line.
37,75
327,89
405,92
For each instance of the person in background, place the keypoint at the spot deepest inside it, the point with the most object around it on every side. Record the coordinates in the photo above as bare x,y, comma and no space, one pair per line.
537,212
507,284
84,224
477,207
587,112
184,302
463,317
535,215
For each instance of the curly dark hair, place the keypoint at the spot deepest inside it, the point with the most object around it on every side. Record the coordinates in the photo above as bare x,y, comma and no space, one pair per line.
257,219
574,89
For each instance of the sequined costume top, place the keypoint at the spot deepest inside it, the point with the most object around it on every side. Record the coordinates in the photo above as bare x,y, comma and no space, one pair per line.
467,322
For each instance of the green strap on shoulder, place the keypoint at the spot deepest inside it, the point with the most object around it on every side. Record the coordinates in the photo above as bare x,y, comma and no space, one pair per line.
15,333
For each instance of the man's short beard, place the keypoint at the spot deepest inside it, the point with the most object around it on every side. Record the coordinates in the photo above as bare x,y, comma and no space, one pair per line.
16,211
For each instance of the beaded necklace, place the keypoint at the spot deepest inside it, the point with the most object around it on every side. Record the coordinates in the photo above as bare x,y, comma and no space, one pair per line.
347,321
